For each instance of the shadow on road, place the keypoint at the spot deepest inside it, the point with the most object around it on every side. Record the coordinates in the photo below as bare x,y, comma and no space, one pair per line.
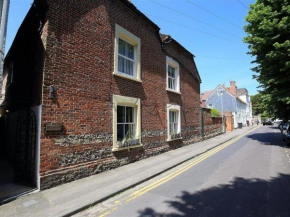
241,198
268,138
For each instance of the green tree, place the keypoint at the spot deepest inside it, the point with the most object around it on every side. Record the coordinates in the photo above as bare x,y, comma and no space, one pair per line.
269,42
257,104
215,113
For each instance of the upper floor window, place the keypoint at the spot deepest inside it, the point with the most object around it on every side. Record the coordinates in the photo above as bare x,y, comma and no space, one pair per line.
127,54
210,106
126,58
171,78
172,75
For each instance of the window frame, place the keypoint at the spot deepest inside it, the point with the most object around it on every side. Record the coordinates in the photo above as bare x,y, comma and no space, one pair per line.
127,58
125,35
129,102
210,105
174,64
175,108
125,121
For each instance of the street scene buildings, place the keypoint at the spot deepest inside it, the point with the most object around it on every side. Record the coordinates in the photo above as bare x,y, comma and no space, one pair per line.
94,93
102,113
230,99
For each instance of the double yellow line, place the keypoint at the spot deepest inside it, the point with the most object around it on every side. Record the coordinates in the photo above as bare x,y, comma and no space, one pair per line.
177,172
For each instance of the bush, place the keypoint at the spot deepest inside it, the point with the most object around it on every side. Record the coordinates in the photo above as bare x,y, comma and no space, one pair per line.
215,113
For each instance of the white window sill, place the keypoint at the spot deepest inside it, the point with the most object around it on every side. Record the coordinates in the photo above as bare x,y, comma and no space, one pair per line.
127,77
173,91
169,140
126,148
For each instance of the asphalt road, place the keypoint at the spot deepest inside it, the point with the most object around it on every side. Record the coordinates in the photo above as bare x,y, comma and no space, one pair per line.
250,177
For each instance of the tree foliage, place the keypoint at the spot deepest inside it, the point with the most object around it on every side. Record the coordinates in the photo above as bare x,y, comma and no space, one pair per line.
269,42
215,113
259,106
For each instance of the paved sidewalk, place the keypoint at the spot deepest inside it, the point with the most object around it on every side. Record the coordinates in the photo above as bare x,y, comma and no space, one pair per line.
70,198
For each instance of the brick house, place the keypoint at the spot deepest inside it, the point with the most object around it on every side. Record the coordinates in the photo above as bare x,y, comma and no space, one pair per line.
91,86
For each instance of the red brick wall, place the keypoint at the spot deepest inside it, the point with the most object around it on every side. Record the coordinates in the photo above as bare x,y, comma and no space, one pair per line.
79,64
212,126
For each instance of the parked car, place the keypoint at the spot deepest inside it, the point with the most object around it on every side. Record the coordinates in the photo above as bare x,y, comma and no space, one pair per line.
280,125
286,133
267,122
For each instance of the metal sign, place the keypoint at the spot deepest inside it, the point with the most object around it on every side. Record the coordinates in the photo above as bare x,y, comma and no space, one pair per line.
53,127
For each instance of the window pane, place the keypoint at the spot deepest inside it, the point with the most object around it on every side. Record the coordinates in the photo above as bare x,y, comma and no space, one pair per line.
175,128
129,115
122,47
171,83
120,132
128,67
121,64
125,66
173,125
171,71
170,117
126,49
129,131
121,114
129,51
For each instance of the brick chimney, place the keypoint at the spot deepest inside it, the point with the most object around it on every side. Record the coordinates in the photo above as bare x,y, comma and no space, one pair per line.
233,88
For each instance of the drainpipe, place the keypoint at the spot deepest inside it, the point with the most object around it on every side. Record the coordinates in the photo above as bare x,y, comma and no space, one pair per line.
3,30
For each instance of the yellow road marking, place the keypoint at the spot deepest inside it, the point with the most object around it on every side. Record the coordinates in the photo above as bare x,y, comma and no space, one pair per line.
177,172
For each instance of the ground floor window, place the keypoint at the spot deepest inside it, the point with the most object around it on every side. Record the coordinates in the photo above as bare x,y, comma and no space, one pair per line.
173,125
174,122
126,122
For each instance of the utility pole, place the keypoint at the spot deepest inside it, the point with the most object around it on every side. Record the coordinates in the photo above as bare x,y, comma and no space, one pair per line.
220,93
4,8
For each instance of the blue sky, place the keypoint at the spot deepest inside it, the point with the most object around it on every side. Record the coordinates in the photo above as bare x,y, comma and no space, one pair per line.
212,30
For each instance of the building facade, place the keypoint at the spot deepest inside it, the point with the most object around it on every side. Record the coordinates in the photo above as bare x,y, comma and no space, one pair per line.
244,95
95,86
226,99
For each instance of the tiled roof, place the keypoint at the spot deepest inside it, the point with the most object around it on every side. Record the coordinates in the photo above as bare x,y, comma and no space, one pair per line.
242,91
206,94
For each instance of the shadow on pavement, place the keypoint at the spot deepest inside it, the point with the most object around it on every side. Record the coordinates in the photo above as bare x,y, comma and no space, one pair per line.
241,198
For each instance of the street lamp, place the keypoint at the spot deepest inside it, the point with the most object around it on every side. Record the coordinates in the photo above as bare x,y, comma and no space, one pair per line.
220,93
